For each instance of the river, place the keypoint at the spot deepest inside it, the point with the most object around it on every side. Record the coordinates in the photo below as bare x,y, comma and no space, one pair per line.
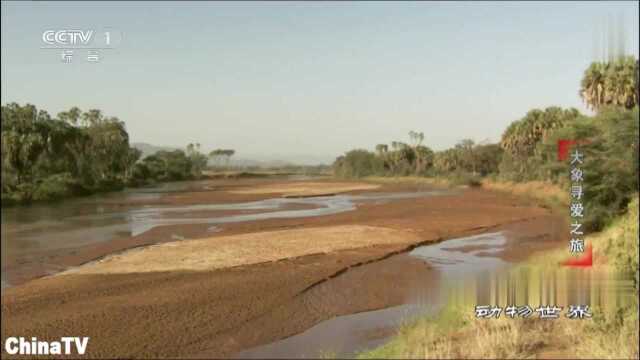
467,270
31,233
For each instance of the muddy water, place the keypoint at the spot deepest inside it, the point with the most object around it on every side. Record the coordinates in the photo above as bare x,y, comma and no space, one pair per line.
30,233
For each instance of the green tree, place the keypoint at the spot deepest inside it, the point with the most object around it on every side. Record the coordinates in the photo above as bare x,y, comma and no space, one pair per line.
487,157
218,155
44,157
133,155
466,155
198,160
446,161
521,137
422,155
23,140
424,158
611,83
358,163
381,149
609,142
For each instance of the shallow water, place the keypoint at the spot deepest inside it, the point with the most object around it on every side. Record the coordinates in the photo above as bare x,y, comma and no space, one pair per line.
29,231
142,220
464,272
340,337
451,258
346,335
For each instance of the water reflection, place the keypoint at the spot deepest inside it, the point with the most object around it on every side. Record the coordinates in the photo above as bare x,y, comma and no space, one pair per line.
459,257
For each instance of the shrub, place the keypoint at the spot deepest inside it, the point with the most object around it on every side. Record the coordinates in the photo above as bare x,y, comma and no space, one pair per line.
465,178
54,187
623,248
358,163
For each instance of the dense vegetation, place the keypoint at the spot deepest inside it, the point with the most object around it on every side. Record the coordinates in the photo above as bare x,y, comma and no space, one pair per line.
464,161
528,147
528,151
79,153
611,83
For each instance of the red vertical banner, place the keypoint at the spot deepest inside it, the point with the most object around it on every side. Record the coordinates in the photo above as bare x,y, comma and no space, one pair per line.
586,260
564,146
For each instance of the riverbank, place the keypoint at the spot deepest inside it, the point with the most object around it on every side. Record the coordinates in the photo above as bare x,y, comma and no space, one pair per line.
612,333
216,311
62,188
544,193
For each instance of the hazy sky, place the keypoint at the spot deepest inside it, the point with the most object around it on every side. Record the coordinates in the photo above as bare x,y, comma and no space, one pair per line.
310,80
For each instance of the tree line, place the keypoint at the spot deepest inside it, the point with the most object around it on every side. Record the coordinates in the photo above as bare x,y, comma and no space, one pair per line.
79,153
528,147
403,159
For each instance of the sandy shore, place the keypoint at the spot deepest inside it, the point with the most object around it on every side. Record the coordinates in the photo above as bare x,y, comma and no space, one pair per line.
246,249
197,302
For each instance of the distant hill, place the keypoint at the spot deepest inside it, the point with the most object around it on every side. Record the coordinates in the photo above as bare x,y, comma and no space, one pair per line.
248,160
242,162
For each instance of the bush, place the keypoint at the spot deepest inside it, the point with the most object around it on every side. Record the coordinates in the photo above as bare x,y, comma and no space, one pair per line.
518,168
487,158
165,166
358,163
624,248
465,178
53,187
109,184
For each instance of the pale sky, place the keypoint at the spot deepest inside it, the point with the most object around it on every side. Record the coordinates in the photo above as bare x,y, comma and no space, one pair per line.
309,81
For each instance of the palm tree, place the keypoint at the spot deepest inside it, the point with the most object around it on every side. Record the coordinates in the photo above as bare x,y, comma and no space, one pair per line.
611,83
424,158
522,136
416,138
447,160
466,154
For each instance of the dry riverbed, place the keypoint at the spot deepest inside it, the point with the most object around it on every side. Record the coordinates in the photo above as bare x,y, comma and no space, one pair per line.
258,281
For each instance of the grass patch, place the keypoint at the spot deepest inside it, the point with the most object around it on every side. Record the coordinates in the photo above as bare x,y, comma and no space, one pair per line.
614,249
454,333
411,180
414,338
437,182
544,193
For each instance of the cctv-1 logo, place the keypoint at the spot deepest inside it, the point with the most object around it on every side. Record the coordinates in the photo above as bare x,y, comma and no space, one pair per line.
67,37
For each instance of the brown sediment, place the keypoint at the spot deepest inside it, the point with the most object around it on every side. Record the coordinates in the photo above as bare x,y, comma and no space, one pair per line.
225,191
306,188
175,314
216,313
245,249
